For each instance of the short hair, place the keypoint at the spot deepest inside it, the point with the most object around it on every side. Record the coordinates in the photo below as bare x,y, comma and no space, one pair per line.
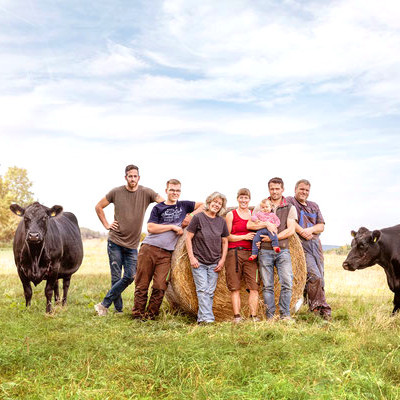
130,167
173,182
213,196
266,201
243,192
276,180
305,181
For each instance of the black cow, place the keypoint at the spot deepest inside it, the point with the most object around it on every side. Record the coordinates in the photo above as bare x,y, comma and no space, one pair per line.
378,247
47,246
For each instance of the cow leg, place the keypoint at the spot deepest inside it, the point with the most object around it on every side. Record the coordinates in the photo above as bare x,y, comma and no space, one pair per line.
27,292
396,302
66,282
48,292
56,292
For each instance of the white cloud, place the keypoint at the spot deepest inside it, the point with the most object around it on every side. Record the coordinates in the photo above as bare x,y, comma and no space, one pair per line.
119,60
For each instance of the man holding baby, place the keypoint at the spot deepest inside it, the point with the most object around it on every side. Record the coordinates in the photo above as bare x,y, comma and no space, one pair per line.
269,258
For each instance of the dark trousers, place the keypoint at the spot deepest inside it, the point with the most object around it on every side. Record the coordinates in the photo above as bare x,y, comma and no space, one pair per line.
257,238
315,285
154,264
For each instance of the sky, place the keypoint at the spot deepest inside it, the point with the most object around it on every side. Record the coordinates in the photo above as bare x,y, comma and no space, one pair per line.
220,95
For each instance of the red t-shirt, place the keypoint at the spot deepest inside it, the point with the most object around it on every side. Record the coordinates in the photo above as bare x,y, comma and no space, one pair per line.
239,227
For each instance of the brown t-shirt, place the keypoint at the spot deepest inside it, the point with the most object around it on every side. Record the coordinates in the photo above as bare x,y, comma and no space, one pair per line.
129,210
207,242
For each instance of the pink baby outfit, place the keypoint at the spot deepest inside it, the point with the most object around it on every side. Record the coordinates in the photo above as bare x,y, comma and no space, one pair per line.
266,217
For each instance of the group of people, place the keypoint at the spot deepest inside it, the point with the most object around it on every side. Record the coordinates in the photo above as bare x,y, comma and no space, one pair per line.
245,242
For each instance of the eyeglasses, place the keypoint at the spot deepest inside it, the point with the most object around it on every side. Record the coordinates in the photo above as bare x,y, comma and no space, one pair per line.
174,191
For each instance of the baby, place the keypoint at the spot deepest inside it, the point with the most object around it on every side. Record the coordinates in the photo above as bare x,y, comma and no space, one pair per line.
265,215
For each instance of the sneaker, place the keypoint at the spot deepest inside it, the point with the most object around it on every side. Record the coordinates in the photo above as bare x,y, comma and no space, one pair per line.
277,249
101,310
237,320
254,318
252,257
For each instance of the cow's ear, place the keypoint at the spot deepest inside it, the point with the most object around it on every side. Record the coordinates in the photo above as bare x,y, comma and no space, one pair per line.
376,235
353,233
16,209
54,211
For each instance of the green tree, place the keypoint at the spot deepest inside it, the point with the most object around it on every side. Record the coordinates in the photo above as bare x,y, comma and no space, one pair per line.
15,187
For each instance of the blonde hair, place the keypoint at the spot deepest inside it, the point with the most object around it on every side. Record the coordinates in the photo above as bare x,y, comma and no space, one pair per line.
213,196
266,201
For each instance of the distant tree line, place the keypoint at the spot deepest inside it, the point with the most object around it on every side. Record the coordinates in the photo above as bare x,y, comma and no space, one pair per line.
15,187
342,250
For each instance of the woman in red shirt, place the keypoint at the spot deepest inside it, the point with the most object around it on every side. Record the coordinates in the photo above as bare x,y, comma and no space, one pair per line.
237,263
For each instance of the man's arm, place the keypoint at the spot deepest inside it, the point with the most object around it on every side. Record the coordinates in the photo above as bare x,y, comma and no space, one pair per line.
103,203
289,231
160,228
159,199
198,208
255,226
307,233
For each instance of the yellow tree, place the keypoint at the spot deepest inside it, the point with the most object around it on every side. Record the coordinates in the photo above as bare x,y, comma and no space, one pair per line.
15,187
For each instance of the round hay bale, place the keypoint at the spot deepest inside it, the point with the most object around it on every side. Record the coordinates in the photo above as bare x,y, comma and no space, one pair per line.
181,292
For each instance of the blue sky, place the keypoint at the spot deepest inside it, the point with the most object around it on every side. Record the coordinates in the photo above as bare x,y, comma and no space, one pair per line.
220,95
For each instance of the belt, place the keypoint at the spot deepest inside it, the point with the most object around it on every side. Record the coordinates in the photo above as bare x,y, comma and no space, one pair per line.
236,257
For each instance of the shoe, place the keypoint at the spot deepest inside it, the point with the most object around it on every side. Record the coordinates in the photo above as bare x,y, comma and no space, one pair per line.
326,317
101,310
118,313
277,249
237,320
252,257
254,318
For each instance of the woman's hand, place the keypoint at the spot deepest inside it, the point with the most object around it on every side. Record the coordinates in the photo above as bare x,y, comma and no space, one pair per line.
193,262
219,266
249,236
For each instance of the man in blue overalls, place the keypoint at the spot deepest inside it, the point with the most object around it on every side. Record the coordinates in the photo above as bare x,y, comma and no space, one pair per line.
309,226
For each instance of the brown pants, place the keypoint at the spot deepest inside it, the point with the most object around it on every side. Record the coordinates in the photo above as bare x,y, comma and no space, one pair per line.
237,265
154,264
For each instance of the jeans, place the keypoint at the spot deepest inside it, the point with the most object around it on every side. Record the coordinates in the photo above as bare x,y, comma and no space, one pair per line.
282,261
119,257
257,238
205,279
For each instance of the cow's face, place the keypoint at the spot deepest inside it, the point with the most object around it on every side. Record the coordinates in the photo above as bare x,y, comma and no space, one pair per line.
36,218
364,251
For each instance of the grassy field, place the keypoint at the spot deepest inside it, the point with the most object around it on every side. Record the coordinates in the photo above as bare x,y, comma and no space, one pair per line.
74,354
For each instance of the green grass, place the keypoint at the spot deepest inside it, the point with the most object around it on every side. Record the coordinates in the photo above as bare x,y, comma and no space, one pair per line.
74,354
